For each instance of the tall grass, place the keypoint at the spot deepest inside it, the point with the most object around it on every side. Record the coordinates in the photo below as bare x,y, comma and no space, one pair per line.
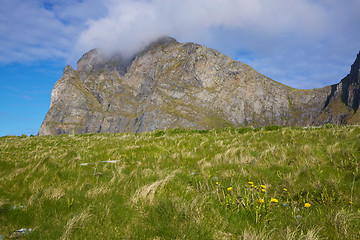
184,184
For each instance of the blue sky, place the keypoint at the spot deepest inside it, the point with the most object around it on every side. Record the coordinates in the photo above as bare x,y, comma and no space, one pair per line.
301,43
25,96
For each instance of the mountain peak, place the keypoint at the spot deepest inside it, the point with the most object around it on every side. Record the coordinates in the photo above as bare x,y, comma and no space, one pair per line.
355,67
165,40
174,85
96,60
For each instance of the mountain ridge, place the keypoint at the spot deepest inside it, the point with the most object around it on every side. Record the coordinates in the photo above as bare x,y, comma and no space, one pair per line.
187,85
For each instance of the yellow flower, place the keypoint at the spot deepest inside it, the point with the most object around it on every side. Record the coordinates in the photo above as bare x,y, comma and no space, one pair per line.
351,202
233,174
307,205
217,183
261,200
263,190
256,187
229,188
251,183
285,189
274,200
263,186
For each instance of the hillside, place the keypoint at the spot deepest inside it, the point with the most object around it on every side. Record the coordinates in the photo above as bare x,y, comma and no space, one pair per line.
189,86
264,183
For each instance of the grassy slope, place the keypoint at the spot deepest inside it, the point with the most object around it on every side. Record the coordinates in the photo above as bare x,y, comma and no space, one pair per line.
174,184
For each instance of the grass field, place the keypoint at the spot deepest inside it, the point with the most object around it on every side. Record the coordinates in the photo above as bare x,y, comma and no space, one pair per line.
265,183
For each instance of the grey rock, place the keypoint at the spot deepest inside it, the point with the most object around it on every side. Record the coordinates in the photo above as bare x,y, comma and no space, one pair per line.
174,85
342,104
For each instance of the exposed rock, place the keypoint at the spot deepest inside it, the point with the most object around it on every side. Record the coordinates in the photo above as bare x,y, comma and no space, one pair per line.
342,104
170,85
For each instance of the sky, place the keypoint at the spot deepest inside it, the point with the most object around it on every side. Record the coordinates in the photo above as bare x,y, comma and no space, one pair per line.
300,43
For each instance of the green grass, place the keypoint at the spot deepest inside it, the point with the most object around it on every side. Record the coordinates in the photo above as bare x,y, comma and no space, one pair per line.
174,184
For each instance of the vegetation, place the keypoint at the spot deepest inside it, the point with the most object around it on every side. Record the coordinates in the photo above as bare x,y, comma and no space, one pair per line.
264,183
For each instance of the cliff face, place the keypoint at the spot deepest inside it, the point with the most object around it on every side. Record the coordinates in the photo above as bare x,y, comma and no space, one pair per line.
342,104
170,85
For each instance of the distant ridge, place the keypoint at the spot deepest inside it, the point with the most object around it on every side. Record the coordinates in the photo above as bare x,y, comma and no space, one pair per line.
175,85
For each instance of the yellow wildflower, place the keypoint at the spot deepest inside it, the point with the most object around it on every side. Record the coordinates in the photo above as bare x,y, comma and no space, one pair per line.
217,183
351,202
285,189
263,186
251,183
274,200
307,205
261,200
229,188
263,190
233,174
256,187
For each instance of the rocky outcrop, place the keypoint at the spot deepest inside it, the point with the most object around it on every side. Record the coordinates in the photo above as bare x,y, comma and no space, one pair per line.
342,104
174,85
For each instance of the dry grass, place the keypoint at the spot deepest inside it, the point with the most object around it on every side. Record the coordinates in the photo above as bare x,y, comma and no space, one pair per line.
75,222
147,192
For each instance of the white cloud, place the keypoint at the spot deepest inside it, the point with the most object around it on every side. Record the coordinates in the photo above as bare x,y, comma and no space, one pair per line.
131,23
303,43
38,30
296,39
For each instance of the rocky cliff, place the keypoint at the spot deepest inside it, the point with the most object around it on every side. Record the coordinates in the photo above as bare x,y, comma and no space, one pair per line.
342,104
170,85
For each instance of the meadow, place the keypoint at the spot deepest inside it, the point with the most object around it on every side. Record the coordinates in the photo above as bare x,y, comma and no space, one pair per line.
248,183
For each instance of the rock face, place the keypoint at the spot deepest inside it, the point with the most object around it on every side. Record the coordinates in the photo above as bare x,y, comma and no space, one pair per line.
171,85
342,104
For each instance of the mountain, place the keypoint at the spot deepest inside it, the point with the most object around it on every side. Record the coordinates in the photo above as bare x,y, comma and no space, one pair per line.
342,104
175,85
